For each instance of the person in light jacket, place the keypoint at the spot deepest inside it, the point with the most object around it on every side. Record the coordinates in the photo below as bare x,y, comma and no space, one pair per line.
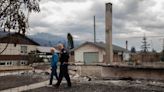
54,61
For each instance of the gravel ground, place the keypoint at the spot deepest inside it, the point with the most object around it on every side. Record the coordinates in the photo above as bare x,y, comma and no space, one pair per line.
106,86
11,81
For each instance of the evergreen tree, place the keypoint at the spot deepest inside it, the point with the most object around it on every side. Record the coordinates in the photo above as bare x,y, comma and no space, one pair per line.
162,55
133,50
145,45
70,41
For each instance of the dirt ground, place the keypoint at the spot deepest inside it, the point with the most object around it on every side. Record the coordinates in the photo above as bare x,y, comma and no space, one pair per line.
106,86
12,81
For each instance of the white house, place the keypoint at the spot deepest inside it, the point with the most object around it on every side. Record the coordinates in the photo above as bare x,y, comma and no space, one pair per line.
16,48
89,53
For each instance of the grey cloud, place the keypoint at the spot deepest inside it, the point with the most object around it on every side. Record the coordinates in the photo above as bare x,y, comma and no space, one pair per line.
127,15
134,12
98,8
131,14
128,8
69,0
39,23
65,1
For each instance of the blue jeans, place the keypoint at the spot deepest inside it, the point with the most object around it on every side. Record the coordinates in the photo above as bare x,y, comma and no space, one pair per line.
53,73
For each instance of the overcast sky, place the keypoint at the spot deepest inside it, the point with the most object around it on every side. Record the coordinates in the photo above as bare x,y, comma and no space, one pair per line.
131,20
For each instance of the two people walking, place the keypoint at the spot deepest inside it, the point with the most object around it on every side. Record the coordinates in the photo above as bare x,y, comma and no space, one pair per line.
63,58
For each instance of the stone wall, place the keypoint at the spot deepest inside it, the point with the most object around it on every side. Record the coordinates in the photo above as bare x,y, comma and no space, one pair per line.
87,70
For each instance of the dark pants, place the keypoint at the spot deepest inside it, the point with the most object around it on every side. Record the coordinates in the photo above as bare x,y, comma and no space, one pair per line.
53,73
64,73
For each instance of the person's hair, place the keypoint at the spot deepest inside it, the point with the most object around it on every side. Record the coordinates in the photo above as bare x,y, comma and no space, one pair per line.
52,49
60,45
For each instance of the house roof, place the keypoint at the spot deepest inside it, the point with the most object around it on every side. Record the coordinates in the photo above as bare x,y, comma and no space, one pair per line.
16,38
102,45
13,57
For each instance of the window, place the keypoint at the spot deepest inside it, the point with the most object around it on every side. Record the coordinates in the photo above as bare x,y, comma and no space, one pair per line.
15,44
23,49
23,62
9,63
2,63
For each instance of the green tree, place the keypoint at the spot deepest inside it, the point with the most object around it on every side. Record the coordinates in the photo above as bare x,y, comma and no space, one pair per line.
145,45
162,55
33,57
133,50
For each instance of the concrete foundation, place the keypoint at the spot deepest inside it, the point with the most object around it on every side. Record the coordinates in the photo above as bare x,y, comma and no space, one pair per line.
87,70
12,68
119,72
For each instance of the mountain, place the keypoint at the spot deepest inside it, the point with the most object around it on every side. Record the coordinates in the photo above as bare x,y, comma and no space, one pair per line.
46,39
2,33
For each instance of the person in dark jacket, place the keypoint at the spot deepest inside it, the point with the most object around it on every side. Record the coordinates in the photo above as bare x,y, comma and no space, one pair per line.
54,61
64,56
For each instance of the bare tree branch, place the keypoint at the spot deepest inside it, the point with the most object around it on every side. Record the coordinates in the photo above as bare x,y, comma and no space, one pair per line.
18,11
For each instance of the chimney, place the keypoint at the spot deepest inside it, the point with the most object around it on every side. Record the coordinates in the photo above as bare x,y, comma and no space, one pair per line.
108,27
126,45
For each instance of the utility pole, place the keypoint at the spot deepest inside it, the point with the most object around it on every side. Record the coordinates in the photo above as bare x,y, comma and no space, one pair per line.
94,26
163,45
